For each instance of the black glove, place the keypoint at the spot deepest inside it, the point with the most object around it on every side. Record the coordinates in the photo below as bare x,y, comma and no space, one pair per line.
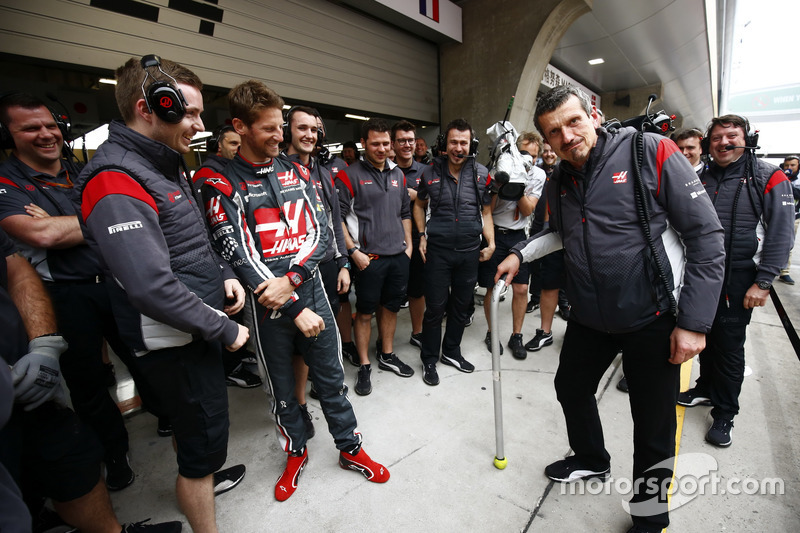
37,375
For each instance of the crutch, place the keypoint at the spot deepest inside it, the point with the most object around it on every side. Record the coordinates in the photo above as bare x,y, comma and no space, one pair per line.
500,460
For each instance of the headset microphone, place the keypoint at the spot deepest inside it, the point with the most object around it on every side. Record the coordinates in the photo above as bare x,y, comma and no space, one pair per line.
460,156
734,147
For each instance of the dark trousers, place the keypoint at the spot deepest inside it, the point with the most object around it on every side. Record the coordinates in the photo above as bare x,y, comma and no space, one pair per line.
84,319
722,360
653,384
276,340
450,279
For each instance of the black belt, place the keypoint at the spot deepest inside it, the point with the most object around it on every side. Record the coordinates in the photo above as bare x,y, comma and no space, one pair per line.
506,231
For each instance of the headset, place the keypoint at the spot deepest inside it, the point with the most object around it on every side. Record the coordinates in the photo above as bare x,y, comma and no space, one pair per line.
162,98
750,138
7,141
441,144
287,128
212,143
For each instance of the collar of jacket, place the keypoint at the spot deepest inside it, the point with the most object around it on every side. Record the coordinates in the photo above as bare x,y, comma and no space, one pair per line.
163,158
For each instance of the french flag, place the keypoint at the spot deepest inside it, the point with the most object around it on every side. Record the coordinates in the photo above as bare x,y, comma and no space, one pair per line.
429,8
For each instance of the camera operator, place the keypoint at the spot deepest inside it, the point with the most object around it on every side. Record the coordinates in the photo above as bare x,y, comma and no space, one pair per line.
510,220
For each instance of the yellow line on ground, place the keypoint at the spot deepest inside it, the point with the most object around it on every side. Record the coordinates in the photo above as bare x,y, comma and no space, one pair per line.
680,412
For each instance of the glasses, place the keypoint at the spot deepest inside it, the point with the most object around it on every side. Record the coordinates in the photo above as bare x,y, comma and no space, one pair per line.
401,142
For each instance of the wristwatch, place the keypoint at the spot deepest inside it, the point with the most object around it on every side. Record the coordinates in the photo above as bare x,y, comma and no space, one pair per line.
351,251
295,279
346,265
764,285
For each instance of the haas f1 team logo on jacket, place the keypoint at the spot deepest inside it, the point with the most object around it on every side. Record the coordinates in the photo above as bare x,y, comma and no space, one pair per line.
281,231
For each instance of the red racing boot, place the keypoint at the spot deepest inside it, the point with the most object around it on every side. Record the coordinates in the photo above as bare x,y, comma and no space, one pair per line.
361,462
287,483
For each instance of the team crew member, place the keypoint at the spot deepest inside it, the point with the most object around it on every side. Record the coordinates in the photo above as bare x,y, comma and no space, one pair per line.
36,209
510,220
403,136
45,448
269,223
170,287
376,218
688,142
754,202
617,303
302,137
452,211
222,146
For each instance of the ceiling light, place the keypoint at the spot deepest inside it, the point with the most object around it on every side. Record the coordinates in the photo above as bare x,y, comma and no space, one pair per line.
597,61
356,117
109,81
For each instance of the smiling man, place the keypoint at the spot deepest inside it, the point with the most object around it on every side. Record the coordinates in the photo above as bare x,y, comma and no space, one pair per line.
619,301
755,205
37,211
376,216
268,222
170,287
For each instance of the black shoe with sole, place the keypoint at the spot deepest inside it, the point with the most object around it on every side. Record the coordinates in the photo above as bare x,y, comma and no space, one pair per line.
622,384
693,397
118,473
228,478
458,362
390,361
243,378
430,375
539,341
720,433
570,469
488,341
164,428
364,384
350,353
308,420
516,347
532,306
416,340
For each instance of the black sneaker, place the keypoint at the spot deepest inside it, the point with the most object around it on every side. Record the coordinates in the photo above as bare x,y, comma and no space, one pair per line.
162,527
539,341
470,318
488,341
570,469
404,305
622,384
430,375
563,311
517,349
350,353
786,278
109,375
458,362
720,433
416,340
532,306
693,397
118,473
364,385
227,478
390,361
242,378
164,428
308,420
313,392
